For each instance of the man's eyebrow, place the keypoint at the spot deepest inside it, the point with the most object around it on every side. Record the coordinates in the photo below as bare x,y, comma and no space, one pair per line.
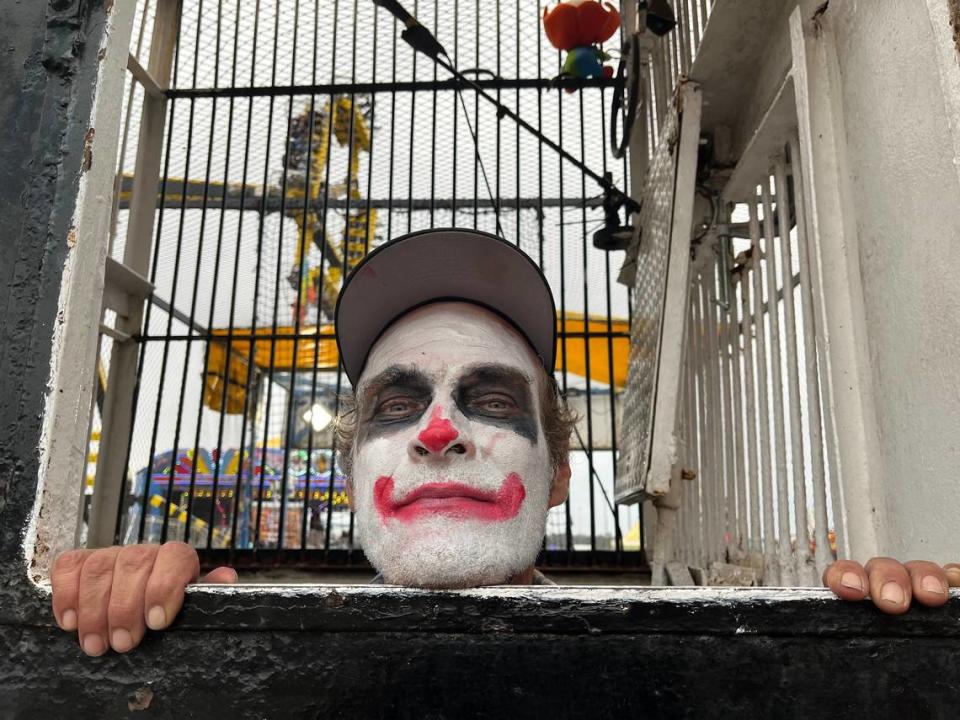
394,375
494,372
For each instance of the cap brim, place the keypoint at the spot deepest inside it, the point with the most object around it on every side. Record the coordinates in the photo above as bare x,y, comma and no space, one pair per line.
443,264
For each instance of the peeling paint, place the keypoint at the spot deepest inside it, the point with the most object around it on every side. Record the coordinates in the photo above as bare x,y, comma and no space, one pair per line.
88,150
955,21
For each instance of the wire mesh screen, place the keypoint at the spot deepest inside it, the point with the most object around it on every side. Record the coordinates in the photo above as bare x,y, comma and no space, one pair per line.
299,135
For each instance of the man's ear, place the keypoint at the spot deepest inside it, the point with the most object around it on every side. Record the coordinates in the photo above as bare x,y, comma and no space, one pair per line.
561,484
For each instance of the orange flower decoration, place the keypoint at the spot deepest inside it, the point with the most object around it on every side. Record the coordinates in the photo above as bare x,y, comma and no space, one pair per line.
589,23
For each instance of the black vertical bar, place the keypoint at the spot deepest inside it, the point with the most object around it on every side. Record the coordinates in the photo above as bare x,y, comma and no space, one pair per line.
433,126
476,124
413,125
276,284
323,251
166,341
291,405
618,536
496,202
586,339
517,125
563,298
456,108
350,156
366,246
251,364
393,132
307,217
218,460
196,277
146,323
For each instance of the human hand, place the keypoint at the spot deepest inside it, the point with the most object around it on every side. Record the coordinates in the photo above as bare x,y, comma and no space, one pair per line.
892,585
111,595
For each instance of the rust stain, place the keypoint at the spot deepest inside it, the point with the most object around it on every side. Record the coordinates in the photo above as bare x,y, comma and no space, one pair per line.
72,237
88,149
141,699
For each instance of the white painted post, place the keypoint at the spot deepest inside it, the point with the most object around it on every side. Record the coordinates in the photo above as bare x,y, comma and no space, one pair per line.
771,575
787,573
66,428
811,373
118,404
806,573
837,286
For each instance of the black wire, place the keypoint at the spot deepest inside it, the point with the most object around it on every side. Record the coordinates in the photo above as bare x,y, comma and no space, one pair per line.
483,170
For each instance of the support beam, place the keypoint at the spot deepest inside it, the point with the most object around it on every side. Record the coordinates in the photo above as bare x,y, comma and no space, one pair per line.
118,406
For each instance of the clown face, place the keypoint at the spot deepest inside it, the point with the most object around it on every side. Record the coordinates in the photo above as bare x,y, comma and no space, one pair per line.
451,478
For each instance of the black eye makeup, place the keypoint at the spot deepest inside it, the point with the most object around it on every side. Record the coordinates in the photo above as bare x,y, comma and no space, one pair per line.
393,399
498,395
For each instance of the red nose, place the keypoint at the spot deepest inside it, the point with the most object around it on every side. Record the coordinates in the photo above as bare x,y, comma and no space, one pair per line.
438,434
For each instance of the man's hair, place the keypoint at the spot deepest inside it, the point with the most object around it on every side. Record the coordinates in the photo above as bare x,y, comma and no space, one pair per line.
557,418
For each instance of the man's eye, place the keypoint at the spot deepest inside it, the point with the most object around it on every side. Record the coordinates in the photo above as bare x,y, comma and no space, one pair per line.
399,407
495,404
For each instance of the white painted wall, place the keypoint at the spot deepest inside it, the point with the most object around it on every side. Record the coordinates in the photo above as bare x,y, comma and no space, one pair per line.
898,70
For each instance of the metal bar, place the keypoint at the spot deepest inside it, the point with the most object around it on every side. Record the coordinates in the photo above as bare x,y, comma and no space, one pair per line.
224,337
323,251
784,556
753,446
196,277
125,139
213,291
734,518
142,76
291,407
247,403
367,88
168,498
704,470
269,381
711,414
805,573
120,337
586,312
737,416
771,576
721,523
822,556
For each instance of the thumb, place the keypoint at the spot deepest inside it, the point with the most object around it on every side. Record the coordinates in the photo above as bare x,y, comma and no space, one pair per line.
220,575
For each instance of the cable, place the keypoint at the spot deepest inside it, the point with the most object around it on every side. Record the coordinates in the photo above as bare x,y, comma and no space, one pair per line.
419,38
483,171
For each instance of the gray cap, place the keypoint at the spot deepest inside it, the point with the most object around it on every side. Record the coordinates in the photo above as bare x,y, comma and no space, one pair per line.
449,264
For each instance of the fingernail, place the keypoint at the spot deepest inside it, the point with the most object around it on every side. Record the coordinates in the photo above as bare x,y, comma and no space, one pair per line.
156,618
953,575
851,580
93,644
69,620
892,593
931,583
121,640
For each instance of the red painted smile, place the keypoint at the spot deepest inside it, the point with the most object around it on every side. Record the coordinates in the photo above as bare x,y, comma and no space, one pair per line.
451,499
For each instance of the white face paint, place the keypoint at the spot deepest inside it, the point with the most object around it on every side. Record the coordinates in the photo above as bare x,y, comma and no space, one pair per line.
451,470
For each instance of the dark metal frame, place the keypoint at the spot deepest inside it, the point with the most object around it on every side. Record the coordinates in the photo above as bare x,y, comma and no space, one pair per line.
177,96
